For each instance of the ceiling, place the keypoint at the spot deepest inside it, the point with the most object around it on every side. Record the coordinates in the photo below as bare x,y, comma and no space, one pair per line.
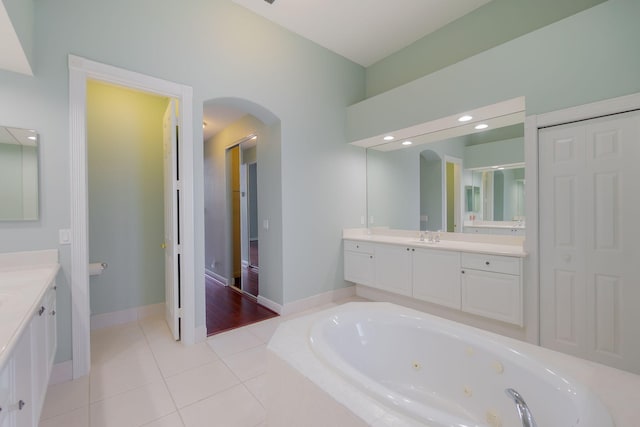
364,31
12,56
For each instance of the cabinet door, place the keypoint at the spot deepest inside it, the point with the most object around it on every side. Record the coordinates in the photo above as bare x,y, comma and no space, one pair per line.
22,405
6,394
393,269
358,267
52,328
493,295
436,277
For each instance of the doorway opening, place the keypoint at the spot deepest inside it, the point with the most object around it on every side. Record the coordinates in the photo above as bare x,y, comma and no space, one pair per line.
239,195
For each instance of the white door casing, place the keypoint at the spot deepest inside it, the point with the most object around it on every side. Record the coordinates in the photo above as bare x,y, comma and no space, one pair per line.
171,245
590,239
81,70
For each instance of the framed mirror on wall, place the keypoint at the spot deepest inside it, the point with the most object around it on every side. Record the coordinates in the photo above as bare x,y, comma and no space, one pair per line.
18,174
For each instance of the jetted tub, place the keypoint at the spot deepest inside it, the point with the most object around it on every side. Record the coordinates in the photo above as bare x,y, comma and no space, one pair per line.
411,368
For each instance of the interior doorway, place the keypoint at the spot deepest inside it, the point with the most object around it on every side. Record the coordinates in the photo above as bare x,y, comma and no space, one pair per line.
237,214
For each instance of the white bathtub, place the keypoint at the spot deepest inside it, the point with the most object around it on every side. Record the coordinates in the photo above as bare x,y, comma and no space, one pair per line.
422,370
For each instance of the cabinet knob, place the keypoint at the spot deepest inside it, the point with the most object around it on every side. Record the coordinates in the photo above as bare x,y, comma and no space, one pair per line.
487,262
462,272
53,312
41,310
21,404
371,256
357,246
407,249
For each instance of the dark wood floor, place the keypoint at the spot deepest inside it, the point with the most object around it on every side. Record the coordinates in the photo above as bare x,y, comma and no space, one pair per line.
228,308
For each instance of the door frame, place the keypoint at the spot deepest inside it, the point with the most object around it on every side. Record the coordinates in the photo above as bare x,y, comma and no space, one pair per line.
531,146
81,70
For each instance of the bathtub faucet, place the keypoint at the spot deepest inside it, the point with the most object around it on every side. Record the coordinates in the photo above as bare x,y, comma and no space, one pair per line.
523,410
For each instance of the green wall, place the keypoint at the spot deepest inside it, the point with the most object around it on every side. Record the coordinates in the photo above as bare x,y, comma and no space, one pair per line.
584,58
488,26
11,181
126,196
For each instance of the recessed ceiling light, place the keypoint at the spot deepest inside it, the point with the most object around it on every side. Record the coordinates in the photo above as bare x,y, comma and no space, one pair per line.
494,167
407,143
481,126
33,138
389,138
465,118
204,125
254,137
500,169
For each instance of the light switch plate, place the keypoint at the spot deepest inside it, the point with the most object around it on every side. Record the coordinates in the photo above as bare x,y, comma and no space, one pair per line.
64,236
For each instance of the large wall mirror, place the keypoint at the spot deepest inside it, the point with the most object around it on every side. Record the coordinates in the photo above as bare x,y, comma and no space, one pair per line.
18,174
471,182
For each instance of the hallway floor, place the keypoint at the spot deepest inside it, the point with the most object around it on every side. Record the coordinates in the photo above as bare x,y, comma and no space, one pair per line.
141,377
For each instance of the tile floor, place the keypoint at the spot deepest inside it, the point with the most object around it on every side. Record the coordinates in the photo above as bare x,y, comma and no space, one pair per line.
141,377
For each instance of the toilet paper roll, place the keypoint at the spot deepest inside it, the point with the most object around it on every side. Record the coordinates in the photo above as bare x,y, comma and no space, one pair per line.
96,268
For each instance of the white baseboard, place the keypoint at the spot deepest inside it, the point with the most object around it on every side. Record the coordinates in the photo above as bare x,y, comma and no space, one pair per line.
317,300
273,306
61,372
216,276
105,320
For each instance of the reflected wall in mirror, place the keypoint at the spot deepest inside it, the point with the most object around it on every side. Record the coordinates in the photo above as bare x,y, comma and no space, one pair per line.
418,187
18,174
496,194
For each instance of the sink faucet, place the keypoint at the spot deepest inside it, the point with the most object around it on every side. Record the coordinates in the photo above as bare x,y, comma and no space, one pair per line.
523,410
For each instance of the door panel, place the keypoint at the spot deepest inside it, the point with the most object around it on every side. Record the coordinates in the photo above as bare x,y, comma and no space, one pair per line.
171,217
589,239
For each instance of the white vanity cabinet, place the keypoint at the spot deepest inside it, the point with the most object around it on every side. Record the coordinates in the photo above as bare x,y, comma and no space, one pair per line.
358,262
392,268
24,376
436,277
482,284
492,286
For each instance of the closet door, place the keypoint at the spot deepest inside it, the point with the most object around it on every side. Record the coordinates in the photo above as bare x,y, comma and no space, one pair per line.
590,239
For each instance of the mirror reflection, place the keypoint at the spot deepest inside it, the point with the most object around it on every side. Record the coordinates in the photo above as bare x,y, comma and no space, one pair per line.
472,183
18,174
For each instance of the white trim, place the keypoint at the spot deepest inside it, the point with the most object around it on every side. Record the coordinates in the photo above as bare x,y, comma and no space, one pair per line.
201,333
61,372
80,70
317,300
215,276
105,320
273,306
532,244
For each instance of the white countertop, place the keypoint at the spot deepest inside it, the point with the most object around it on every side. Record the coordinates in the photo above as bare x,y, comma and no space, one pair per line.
459,242
21,289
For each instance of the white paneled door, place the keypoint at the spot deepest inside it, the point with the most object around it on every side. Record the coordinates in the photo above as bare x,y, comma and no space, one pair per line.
171,243
589,203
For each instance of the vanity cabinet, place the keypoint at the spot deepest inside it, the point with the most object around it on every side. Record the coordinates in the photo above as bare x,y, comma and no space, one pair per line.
25,375
491,286
476,283
358,262
436,277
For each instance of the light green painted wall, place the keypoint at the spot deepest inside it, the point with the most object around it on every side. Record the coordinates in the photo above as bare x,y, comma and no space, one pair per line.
126,196
508,151
221,50
488,26
587,57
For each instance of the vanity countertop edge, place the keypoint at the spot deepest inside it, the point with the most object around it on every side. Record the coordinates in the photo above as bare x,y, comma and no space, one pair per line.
504,247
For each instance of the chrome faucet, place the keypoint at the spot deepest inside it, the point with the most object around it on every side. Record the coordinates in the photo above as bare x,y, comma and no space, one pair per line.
523,410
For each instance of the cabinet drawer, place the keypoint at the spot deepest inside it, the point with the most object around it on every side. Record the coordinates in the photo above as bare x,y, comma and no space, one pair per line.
495,263
355,246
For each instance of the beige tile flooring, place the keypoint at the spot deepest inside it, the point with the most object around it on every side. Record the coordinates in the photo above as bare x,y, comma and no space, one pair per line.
141,377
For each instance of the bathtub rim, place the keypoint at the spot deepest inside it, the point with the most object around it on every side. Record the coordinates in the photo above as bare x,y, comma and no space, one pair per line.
587,401
290,344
